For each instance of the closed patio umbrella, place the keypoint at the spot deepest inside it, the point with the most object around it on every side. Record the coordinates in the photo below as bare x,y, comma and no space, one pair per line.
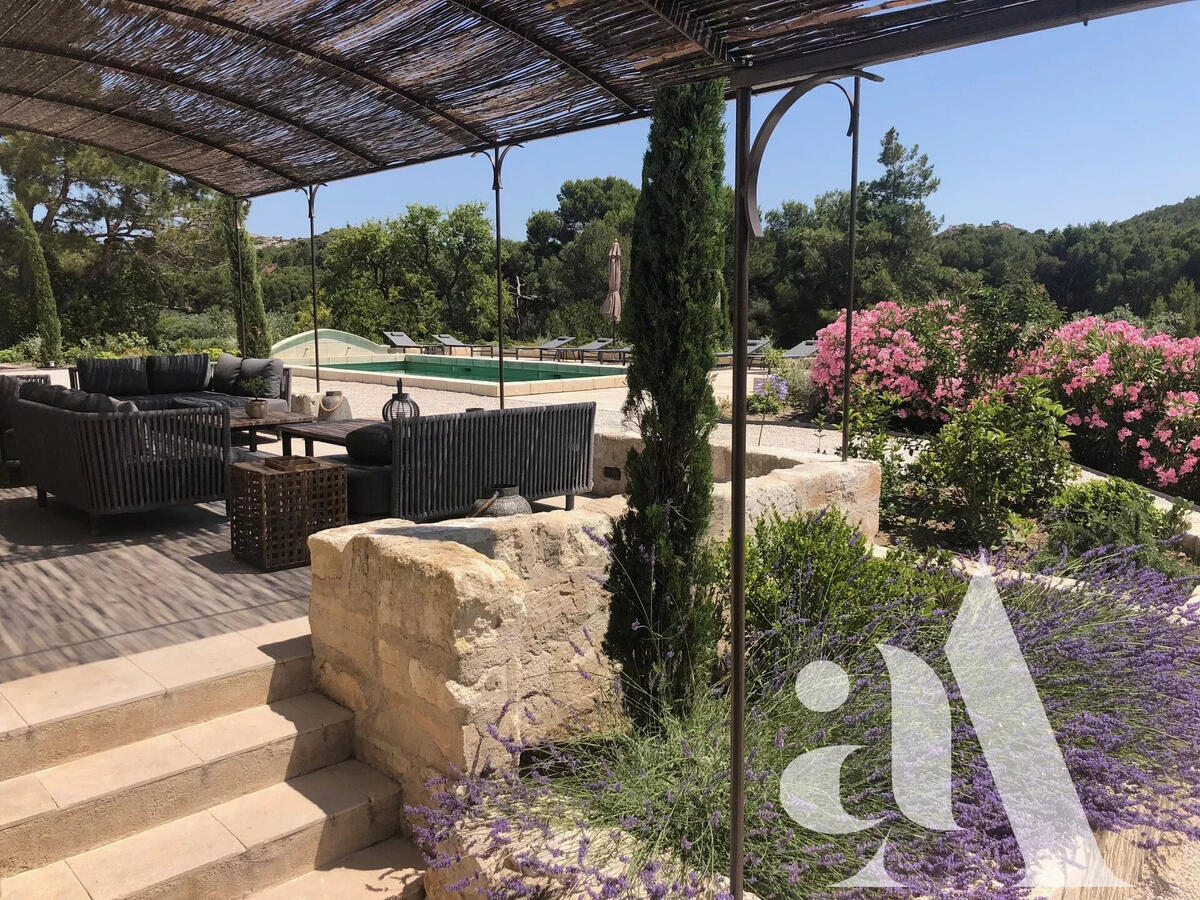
611,309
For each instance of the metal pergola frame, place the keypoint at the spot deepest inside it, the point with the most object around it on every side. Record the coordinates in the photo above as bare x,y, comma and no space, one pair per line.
600,62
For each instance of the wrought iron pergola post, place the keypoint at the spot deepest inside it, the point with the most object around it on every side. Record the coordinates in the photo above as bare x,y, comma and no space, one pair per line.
311,193
743,191
241,314
748,159
496,156
852,250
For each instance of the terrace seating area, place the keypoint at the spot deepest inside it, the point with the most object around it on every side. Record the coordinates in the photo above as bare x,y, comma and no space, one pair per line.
160,730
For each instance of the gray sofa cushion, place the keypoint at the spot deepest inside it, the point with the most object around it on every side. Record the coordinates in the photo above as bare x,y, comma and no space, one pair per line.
150,402
212,398
371,444
41,393
225,373
115,377
178,373
270,369
82,401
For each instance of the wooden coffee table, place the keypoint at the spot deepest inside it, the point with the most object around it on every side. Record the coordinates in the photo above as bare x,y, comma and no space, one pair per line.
239,421
326,432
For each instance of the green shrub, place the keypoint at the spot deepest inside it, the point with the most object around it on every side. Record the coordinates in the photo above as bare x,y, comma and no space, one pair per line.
1113,512
1003,320
841,578
870,414
802,395
773,359
1002,455
582,319
24,351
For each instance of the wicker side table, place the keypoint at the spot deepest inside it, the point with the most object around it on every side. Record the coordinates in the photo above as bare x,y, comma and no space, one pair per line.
273,510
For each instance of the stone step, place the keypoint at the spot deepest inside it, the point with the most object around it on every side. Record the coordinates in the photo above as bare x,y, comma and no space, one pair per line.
233,849
393,869
63,810
59,716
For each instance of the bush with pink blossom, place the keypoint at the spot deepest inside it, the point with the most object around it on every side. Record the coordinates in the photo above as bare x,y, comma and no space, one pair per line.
915,356
1134,399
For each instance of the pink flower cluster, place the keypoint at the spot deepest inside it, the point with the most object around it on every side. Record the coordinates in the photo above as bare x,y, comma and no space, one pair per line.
915,354
1134,399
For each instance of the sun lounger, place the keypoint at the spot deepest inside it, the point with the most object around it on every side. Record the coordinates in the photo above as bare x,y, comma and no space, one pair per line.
541,350
802,350
618,355
579,352
401,341
754,349
450,343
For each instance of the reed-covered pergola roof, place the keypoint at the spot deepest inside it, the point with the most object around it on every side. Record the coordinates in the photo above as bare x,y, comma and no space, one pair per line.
255,96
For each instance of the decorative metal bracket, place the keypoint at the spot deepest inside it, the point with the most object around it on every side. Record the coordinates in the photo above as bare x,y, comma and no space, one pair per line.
786,102
310,191
495,156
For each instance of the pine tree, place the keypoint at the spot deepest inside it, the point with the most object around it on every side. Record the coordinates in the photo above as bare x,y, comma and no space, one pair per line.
661,627
45,310
253,338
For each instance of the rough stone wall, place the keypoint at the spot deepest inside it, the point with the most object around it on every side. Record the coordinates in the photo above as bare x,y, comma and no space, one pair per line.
435,634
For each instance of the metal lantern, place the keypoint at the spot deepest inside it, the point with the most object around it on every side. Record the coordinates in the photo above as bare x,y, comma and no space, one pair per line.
401,406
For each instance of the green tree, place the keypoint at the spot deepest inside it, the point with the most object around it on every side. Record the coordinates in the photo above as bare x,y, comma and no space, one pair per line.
1184,302
49,330
253,337
660,626
424,272
564,266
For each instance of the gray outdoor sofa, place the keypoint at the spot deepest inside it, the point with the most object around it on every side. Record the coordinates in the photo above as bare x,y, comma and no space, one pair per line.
436,467
119,461
183,380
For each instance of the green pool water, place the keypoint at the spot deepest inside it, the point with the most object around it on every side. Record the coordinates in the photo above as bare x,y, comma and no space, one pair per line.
480,369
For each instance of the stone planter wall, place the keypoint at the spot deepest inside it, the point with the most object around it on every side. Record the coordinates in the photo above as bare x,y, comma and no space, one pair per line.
438,635
788,480
434,634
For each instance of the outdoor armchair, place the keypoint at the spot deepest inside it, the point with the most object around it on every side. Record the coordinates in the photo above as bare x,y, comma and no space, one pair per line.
442,464
120,462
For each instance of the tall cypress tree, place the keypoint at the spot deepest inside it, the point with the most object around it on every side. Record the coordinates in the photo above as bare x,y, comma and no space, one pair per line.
253,338
45,311
661,628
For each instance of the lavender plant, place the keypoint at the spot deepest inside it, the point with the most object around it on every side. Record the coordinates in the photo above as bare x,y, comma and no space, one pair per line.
623,813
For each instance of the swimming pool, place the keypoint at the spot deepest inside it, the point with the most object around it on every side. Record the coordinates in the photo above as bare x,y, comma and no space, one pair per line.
464,374
480,369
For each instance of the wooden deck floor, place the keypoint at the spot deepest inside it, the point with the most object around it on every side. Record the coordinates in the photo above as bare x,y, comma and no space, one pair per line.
68,597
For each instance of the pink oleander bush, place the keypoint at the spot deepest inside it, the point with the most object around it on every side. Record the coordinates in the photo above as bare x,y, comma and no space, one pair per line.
1134,399
915,355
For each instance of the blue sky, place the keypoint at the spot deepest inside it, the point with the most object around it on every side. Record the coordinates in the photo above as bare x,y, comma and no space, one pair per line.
1069,125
